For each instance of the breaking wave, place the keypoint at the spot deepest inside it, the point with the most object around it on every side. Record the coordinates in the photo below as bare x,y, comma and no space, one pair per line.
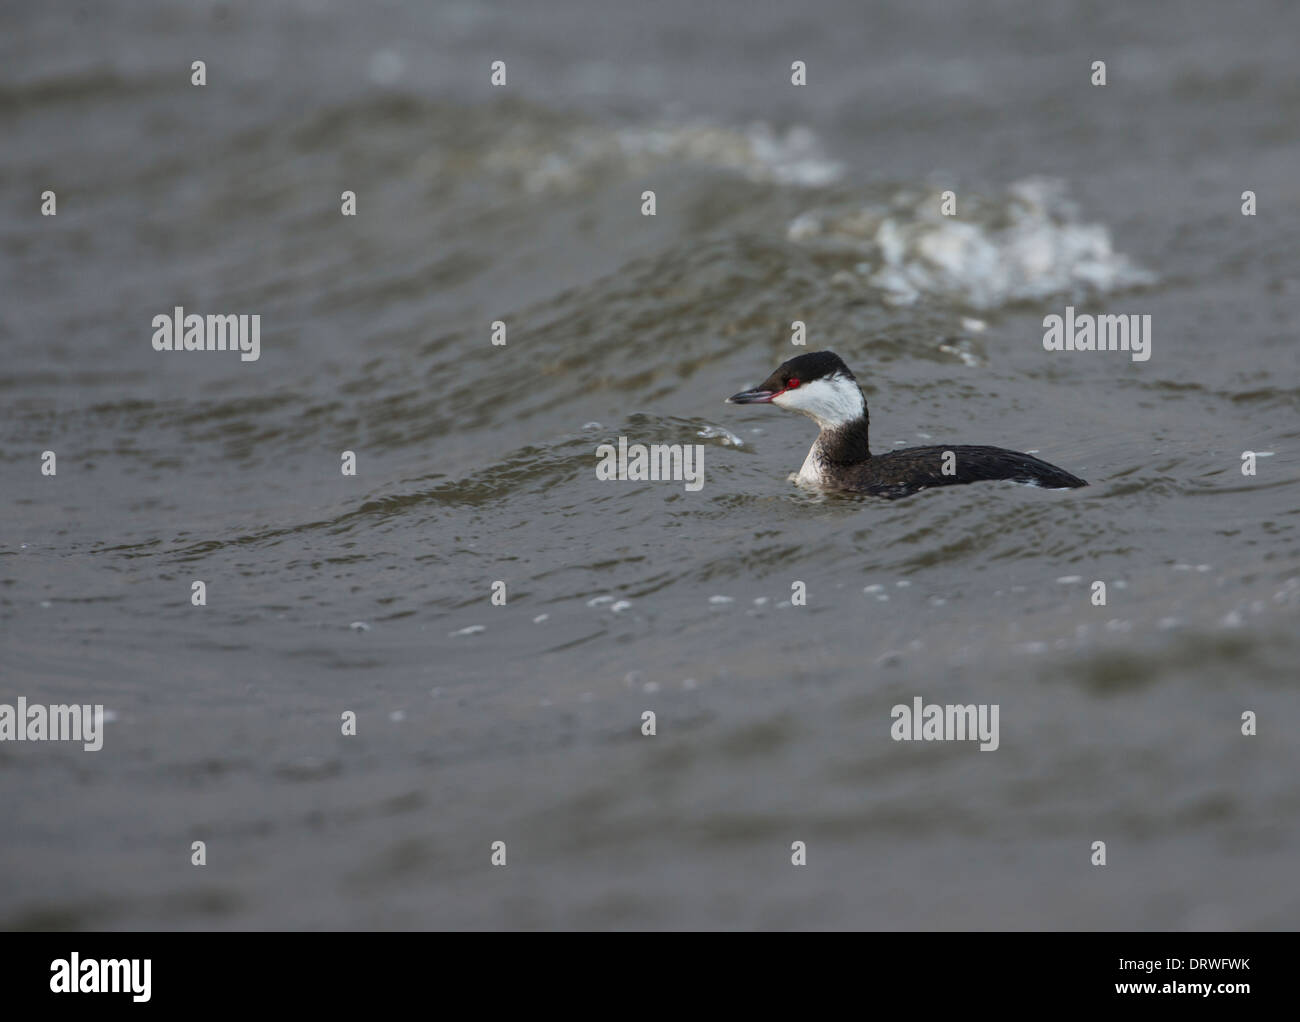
1026,245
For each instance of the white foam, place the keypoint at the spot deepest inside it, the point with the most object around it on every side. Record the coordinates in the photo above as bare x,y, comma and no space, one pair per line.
569,160
728,438
1028,244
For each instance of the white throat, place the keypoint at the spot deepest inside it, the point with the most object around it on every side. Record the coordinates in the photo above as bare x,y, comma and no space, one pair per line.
831,401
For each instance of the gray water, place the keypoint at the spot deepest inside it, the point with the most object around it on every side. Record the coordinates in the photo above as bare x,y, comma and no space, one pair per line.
522,723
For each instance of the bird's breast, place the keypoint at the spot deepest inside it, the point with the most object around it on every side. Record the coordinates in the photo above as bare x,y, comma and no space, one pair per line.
813,472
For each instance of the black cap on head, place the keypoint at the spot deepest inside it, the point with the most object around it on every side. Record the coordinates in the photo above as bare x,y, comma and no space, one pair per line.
812,366
801,369
815,365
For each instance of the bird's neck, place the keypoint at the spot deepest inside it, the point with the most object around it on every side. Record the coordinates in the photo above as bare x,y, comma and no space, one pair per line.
844,443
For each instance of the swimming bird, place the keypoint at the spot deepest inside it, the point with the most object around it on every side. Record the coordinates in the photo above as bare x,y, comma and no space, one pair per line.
821,386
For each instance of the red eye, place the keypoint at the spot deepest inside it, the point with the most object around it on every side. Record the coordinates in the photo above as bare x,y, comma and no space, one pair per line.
791,384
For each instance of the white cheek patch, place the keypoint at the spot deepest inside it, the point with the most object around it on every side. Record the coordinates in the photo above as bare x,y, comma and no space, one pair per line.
832,400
